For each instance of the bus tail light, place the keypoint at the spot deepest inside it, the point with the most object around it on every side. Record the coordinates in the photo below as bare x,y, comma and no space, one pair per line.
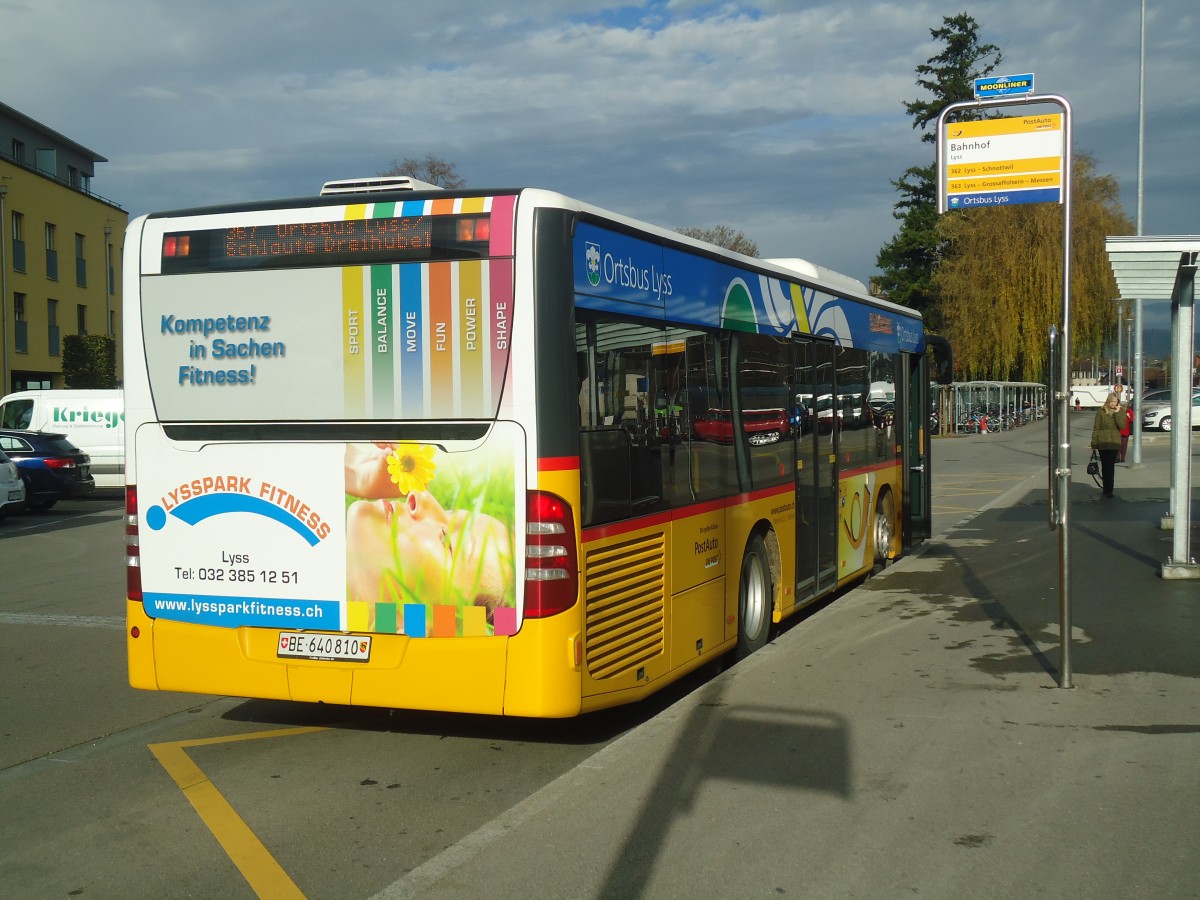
177,246
133,559
551,560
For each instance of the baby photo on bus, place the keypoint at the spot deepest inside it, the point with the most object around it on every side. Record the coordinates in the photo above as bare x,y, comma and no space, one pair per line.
429,540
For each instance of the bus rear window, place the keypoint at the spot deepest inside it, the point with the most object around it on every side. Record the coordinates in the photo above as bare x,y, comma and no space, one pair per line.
333,243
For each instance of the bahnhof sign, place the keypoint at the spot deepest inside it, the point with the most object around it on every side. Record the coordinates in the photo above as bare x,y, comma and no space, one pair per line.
1007,160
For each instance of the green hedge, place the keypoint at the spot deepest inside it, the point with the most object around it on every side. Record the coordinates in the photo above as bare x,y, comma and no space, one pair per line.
89,361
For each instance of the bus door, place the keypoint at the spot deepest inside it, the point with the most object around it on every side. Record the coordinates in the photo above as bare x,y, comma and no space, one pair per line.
816,467
918,523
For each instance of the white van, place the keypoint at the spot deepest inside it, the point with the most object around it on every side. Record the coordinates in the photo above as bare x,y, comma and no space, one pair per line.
94,421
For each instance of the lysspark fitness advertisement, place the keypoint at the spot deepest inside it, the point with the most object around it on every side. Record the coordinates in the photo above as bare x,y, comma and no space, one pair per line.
236,535
385,537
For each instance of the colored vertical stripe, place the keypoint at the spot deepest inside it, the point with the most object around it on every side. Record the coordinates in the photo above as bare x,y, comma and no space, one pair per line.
354,341
472,335
501,239
383,333
383,314
500,290
444,621
443,207
357,615
412,347
440,340
414,620
474,621
474,204
385,618
504,620
356,332
413,208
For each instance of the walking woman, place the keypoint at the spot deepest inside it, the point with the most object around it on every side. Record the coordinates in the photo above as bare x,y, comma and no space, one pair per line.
1106,439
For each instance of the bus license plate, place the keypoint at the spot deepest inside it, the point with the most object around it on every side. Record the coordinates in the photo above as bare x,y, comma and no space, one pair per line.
342,647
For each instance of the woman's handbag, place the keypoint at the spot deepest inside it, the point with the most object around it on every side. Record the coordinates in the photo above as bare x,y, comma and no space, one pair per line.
1093,467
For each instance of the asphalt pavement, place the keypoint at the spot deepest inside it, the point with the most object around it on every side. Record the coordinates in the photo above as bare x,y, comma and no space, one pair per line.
913,737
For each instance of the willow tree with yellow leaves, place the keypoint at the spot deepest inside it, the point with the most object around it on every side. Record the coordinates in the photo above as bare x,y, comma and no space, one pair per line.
1000,279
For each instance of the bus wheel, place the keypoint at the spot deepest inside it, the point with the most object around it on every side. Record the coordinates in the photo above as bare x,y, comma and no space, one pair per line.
755,595
885,529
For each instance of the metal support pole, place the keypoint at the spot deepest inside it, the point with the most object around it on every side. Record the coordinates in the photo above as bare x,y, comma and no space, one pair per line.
1139,379
1181,565
1064,446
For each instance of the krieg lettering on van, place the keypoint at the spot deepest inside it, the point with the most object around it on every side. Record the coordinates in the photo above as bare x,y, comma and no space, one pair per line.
85,416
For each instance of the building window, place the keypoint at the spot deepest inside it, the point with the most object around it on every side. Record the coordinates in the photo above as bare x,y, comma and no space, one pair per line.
47,161
81,319
51,252
73,176
21,337
80,263
53,340
18,151
18,242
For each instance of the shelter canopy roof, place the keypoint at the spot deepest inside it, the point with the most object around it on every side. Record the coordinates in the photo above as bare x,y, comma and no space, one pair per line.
1147,268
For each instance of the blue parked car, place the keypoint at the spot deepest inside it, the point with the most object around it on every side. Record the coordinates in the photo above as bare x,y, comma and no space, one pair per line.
50,465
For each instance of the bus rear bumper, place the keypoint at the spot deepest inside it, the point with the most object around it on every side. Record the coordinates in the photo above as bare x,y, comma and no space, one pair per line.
471,675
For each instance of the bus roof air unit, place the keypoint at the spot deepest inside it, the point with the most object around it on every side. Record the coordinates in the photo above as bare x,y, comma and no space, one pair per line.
376,184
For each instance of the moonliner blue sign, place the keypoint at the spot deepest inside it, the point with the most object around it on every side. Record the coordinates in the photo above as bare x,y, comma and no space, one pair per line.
1003,86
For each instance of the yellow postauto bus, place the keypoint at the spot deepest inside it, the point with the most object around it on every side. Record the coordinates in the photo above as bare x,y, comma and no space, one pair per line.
495,452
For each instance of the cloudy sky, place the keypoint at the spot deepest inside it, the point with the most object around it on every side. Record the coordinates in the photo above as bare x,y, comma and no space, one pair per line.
782,119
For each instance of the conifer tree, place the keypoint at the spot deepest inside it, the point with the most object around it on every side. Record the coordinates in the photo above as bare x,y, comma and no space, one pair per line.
909,260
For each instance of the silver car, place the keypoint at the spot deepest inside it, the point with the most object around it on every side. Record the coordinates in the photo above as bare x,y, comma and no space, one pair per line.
1158,415
12,488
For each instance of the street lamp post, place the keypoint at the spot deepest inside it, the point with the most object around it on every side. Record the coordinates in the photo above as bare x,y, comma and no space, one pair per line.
108,329
4,388
1138,373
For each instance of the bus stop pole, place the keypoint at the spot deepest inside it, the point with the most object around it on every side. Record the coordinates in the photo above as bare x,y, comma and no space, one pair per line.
1064,399
1060,456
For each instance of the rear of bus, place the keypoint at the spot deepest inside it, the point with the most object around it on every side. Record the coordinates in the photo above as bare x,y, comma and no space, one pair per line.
330,489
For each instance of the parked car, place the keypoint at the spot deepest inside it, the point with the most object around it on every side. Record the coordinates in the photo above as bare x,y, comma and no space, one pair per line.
1158,415
50,465
12,488
1161,395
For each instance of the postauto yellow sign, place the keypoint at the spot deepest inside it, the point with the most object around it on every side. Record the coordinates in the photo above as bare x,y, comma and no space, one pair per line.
1015,159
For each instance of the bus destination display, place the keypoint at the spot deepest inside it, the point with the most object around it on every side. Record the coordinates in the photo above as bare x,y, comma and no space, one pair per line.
341,242
314,239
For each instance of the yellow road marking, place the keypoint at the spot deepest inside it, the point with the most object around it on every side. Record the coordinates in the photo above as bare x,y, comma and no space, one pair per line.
265,876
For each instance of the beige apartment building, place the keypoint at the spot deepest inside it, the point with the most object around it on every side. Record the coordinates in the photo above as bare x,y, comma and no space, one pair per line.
60,252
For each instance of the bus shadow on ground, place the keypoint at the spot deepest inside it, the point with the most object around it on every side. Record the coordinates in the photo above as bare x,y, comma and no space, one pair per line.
768,747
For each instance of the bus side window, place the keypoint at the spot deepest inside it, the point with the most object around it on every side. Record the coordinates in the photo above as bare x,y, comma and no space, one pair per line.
620,445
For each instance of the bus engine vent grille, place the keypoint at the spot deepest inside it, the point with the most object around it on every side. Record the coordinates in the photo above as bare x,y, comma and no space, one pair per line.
625,587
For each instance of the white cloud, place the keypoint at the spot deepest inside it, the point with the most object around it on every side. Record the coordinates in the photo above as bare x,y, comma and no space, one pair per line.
781,118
